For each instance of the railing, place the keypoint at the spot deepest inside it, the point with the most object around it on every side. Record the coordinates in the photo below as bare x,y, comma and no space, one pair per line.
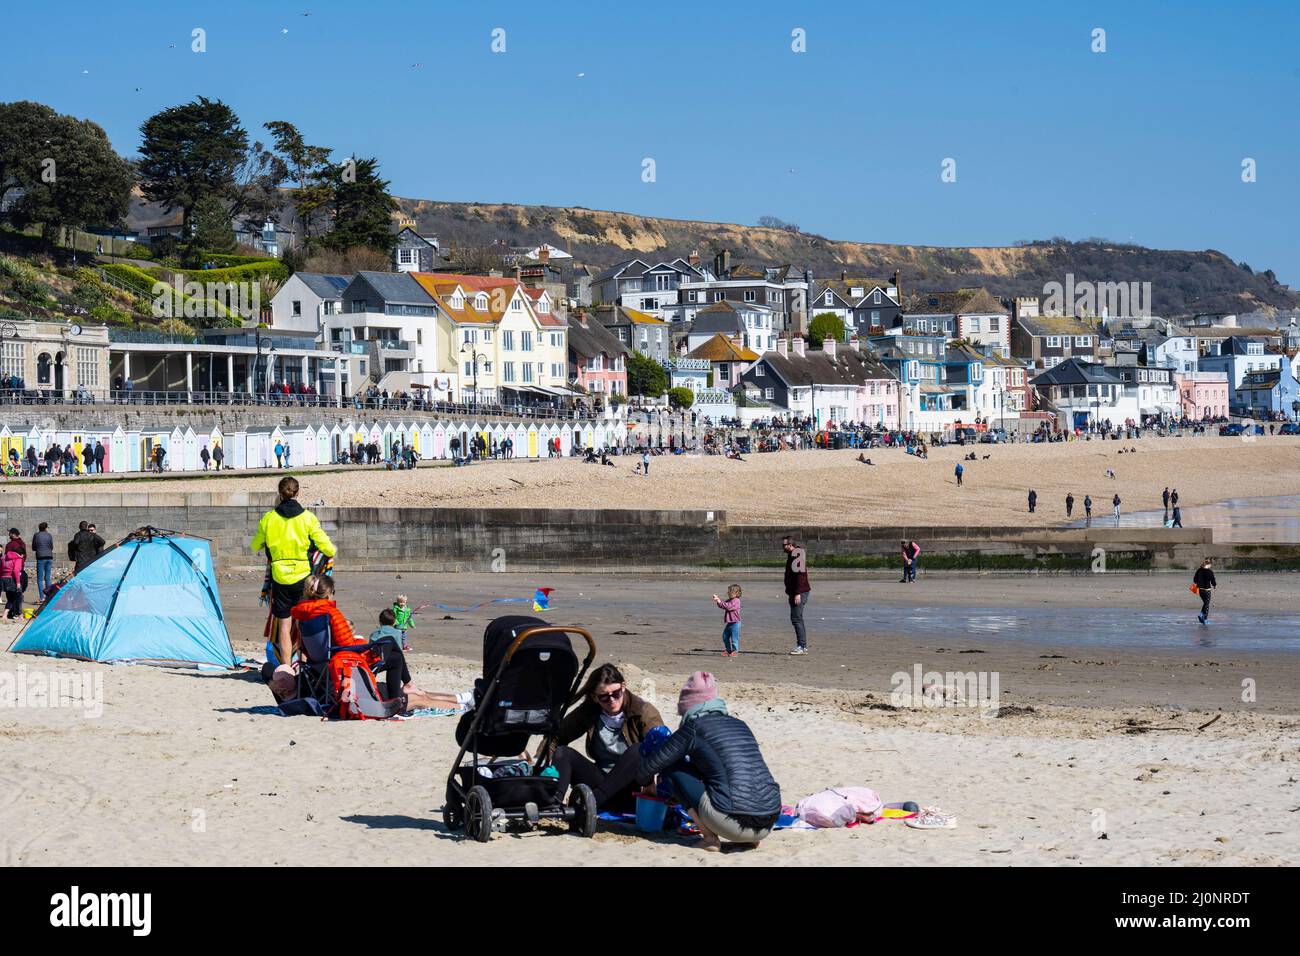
390,405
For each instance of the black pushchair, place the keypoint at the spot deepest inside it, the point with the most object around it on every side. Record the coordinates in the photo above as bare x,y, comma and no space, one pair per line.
530,674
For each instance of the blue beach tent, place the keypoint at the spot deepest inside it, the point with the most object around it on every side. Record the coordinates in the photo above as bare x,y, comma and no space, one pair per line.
151,598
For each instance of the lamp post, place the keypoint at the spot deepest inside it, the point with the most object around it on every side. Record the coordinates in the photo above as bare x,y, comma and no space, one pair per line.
262,343
1295,410
475,356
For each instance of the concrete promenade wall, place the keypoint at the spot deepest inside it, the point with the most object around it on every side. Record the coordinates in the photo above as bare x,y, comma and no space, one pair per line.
482,539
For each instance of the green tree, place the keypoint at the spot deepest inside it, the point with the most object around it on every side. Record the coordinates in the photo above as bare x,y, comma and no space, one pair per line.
360,207
825,325
191,151
212,231
65,169
681,397
645,376
306,167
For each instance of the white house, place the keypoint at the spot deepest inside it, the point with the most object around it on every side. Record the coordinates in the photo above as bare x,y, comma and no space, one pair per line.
305,299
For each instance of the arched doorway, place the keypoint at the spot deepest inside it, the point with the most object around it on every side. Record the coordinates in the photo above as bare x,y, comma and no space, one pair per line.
43,365
58,372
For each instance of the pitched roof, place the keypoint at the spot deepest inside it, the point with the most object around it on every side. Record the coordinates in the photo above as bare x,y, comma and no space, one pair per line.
442,286
849,367
844,289
325,286
633,267
961,302
621,314
722,349
397,287
587,337
1075,371
1055,325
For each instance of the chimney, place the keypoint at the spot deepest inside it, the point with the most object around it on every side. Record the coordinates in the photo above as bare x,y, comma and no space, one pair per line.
722,264
844,275
828,346
783,346
694,257
544,254
797,344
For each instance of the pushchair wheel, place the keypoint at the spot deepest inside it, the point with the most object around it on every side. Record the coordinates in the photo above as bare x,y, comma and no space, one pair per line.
583,803
453,814
478,814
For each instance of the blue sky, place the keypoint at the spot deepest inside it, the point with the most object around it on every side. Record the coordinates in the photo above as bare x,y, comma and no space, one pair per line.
1143,142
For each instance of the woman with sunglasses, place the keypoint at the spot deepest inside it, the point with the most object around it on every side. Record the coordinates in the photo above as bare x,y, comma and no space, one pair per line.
614,721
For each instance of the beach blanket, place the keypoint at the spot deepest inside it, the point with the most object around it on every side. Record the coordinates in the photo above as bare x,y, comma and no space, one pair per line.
431,712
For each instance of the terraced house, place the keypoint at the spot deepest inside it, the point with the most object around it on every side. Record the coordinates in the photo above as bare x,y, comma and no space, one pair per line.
1045,341
837,384
867,306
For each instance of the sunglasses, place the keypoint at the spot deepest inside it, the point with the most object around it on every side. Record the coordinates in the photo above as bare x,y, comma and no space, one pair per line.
611,695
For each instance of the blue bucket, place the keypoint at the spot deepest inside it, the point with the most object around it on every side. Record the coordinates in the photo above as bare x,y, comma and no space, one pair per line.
650,813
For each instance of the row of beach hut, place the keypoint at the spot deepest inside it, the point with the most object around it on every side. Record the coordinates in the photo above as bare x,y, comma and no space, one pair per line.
254,447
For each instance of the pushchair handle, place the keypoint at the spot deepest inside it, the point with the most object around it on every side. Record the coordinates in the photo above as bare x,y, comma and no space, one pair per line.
553,629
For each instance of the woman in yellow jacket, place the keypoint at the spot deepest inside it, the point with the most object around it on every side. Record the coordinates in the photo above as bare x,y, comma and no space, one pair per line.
285,533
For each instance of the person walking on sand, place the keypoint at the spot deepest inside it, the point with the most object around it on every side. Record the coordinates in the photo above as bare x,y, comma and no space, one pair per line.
1202,584
1173,498
1033,500
958,471
1115,501
1069,504
286,532
1178,517
1165,498
797,590
1087,510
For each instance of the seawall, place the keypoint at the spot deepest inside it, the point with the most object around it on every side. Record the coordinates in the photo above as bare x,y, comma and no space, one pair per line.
560,539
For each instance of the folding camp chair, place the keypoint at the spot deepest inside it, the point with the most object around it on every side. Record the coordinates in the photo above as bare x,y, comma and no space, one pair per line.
314,682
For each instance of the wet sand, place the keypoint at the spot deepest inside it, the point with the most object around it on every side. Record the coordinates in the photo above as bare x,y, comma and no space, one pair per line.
668,625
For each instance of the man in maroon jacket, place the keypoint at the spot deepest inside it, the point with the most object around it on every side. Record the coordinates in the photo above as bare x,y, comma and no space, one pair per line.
797,590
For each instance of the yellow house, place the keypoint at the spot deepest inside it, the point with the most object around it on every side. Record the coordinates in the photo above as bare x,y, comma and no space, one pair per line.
501,341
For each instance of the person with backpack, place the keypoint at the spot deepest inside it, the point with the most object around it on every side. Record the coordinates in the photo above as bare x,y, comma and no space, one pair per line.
1203,583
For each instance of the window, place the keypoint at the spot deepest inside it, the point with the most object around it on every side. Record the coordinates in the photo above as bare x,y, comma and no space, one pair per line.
555,370
663,282
481,302
297,307
751,295
544,306
469,368
760,371
1082,341
526,341
556,340
528,371
487,335
507,340
717,297
974,323
406,256
13,359
724,370
487,368
993,323
690,296
469,336
87,367
875,316
1053,341
830,297
508,372
419,336
769,393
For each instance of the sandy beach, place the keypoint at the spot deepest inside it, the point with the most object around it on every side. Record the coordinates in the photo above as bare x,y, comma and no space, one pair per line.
227,782
770,488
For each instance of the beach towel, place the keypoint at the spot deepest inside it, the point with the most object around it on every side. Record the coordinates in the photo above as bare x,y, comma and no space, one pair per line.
432,712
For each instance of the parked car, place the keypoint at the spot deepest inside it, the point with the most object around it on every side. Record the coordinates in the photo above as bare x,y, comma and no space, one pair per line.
1232,430
993,436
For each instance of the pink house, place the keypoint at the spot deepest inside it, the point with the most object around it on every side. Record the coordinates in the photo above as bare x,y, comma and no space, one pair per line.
1203,394
729,359
597,359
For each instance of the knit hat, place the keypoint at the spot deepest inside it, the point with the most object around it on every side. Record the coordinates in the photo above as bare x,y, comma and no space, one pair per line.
697,689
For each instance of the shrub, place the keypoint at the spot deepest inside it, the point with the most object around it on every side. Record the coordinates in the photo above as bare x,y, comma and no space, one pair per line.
681,397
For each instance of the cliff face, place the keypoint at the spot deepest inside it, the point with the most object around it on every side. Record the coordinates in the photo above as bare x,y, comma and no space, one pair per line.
1181,282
